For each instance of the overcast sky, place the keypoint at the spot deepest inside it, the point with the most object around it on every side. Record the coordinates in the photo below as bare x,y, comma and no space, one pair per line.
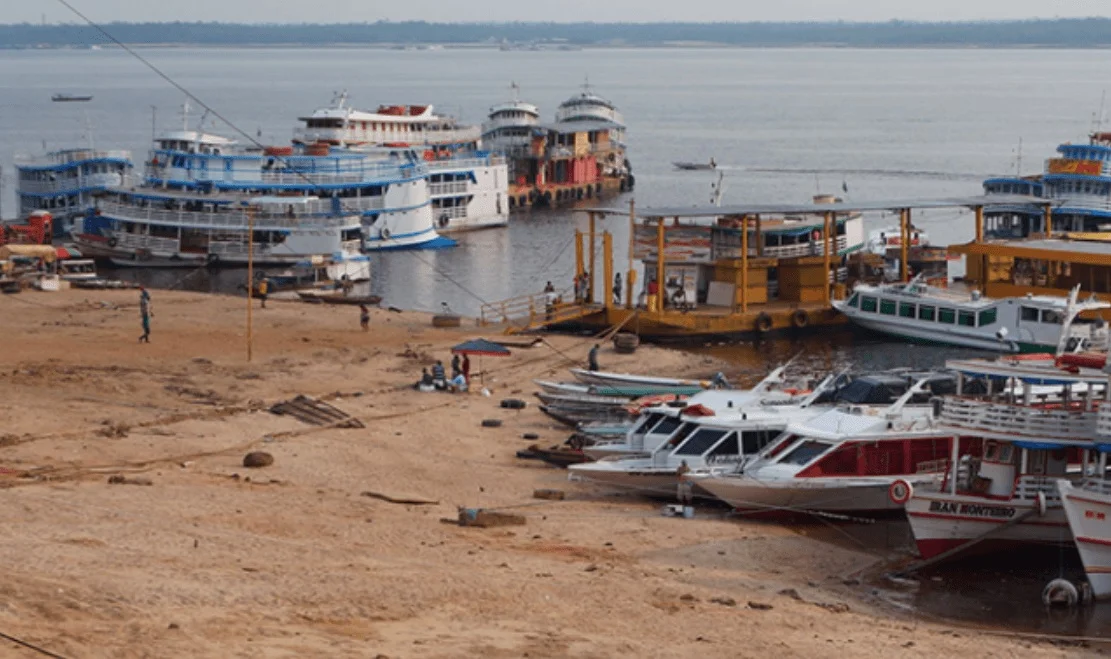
341,11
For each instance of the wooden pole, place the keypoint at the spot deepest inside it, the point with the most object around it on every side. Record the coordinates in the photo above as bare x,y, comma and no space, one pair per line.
983,258
660,266
250,279
828,259
607,268
1048,221
904,244
590,284
578,253
979,210
759,235
630,276
744,264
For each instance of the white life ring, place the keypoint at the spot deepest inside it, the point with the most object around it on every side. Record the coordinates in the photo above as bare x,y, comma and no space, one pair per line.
384,233
900,492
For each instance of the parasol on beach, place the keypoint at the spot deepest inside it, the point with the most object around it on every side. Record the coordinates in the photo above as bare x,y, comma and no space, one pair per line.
481,348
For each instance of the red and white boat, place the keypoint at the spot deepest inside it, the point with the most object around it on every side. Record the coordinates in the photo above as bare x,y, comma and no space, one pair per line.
1087,507
1033,428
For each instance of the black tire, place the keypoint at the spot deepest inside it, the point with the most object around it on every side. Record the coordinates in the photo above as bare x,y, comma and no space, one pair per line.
513,404
763,323
112,242
491,423
800,318
530,435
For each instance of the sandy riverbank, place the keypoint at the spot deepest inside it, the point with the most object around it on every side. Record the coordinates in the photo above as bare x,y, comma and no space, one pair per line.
295,562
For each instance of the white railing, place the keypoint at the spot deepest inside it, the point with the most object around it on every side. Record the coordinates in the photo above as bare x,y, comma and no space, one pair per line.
229,248
1096,485
71,156
1019,420
234,219
68,183
464,163
448,188
140,241
731,251
1027,488
417,138
1103,421
1074,200
451,212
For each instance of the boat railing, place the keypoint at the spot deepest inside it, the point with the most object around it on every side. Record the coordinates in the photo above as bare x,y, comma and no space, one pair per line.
724,250
71,156
932,466
235,219
235,248
1019,420
464,163
531,310
64,183
450,212
448,188
1096,486
417,138
143,241
1103,422
1028,487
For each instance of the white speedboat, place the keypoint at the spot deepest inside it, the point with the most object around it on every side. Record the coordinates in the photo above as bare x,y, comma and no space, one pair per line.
843,460
919,312
628,379
1087,507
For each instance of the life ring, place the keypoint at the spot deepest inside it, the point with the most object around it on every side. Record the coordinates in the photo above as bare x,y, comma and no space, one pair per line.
443,221
384,233
112,242
763,323
800,318
900,492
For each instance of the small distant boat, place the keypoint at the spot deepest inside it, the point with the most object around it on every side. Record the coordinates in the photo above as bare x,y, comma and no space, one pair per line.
338,298
696,166
71,98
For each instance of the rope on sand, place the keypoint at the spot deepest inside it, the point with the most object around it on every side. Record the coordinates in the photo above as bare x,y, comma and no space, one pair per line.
31,646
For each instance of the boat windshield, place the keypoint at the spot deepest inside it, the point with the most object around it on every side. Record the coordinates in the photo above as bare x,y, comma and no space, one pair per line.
647,423
805,452
666,426
700,442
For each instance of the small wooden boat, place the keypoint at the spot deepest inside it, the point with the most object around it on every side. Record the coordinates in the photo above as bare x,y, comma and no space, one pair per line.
625,391
326,297
626,379
557,456
71,98
696,166
586,401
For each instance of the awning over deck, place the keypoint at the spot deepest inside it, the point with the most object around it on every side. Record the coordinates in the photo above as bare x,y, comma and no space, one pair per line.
1064,251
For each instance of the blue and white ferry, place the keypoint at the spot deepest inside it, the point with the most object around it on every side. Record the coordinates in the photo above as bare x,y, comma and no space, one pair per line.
203,199
63,182
468,186
1078,181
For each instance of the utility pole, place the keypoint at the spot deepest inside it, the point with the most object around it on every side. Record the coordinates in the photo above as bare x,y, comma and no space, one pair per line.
250,277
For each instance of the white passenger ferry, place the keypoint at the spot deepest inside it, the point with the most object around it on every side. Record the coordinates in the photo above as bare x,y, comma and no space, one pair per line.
468,186
63,182
925,313
202,193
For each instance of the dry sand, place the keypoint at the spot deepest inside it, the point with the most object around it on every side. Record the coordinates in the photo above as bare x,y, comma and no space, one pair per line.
214,560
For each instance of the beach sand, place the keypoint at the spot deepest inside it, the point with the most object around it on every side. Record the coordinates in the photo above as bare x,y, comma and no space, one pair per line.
292,560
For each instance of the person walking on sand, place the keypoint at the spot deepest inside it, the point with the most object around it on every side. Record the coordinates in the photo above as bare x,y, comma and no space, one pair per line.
685,488
263,290
145,313
617,288
592,358
364,317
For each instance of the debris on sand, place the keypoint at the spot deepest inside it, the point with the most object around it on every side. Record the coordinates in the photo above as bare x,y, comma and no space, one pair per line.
488,518
119,479
316,413
552,495
256,459
412,501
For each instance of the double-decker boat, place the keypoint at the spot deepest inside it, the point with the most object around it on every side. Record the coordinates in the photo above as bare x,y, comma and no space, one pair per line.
206,200
1033,425
468,186
63,182
924,313
579,156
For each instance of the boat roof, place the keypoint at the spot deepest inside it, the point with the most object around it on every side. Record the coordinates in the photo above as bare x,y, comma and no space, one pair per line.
840,423
194,136
580,126
1051,249
515,105
663,212
1032,371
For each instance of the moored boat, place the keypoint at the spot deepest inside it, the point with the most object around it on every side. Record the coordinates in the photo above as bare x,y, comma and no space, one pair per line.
696,166
330,297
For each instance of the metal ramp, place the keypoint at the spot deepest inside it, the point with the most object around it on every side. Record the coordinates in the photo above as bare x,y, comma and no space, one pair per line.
527,313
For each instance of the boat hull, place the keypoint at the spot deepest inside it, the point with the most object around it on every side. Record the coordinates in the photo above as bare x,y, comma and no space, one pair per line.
803,494
949,336
944,522
1089,516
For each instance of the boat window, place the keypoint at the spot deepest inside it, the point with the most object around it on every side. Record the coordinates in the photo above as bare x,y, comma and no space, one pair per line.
680,435
926,312
854,301
906,309
842,461
1052,316
666,426
887,307
945,315
987,317
646,424
727,447
805,452
966,318
1029,314
868,304
699,442
778,447
753,441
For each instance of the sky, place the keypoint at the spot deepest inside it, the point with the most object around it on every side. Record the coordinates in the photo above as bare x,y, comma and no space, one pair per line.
345,11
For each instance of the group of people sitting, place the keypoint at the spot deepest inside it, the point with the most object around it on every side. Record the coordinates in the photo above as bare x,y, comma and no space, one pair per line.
436,379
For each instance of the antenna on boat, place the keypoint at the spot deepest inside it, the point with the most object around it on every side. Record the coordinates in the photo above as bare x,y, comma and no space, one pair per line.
1070,313
1097,119
89,132
718,189
1018,159
185,115
516,89
153,122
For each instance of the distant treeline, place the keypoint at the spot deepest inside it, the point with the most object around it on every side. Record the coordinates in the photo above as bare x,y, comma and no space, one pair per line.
1061,33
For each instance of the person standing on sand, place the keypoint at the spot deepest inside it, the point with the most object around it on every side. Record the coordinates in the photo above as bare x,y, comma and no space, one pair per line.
456,369
364,317
617,288
438,375
592,358
145,313
685,487
467,367
263,290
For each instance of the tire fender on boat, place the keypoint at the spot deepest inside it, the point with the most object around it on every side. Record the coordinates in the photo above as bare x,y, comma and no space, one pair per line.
112,242
900,492
384,233
800,318
443,221
212,258
763,323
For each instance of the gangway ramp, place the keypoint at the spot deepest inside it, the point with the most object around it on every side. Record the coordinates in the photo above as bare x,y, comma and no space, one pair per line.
528,313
